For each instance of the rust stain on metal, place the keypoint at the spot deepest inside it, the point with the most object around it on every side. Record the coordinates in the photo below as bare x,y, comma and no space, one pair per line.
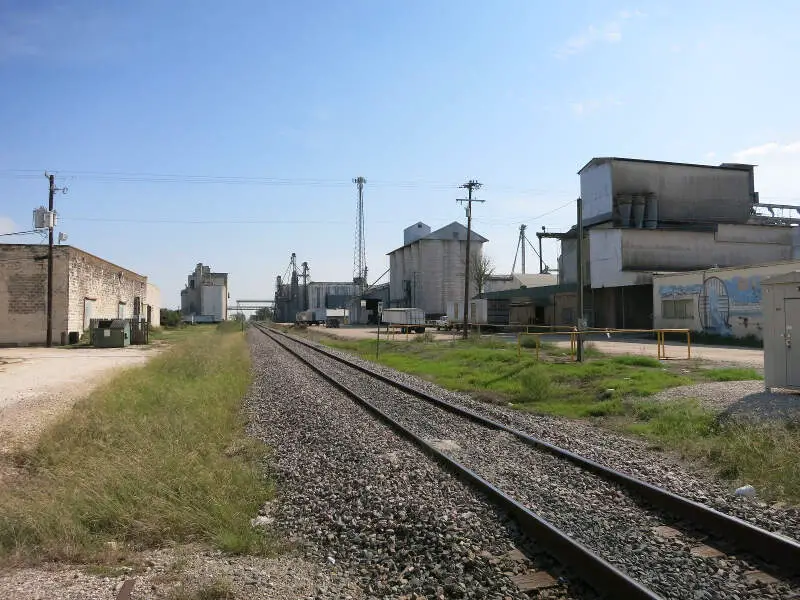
534,580
125,591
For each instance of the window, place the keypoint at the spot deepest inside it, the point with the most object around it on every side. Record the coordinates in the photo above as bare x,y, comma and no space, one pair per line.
121,310
677,309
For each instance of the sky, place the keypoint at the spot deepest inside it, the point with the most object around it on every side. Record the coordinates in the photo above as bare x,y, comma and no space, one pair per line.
229,133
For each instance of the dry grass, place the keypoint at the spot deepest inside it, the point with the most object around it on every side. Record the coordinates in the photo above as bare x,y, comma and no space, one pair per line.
142,463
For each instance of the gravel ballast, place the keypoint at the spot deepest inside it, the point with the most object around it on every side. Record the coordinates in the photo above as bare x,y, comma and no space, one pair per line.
599,514
625,454
387,521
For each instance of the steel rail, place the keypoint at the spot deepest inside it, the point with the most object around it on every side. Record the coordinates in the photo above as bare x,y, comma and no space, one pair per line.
770,547
593,569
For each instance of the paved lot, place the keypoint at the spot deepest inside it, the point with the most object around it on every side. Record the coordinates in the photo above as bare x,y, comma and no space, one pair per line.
38,384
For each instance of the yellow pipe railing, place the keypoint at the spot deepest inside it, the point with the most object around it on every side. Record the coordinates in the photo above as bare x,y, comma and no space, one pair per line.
661,346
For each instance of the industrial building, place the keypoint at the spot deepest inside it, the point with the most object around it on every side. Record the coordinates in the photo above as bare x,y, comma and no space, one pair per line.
427,271
515,281
85,287
205,297
726,302
642,217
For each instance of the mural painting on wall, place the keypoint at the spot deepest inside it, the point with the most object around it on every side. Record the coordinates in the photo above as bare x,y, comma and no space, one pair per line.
721,303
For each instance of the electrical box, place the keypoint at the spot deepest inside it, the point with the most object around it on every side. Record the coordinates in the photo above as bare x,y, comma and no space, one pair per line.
781,306
44,219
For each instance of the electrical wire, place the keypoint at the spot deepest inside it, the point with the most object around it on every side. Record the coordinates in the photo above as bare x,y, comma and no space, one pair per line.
29,232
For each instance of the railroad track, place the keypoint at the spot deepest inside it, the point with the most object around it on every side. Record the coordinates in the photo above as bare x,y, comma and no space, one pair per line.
619,550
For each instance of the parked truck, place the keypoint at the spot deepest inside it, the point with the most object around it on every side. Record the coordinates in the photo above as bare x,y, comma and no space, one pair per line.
406,319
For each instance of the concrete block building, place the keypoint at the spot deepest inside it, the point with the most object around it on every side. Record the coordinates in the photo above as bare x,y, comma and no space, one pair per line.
427,271
205,297
85,287
724,301
641,217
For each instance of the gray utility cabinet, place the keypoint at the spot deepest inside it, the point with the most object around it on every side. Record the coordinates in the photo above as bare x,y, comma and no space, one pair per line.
781,305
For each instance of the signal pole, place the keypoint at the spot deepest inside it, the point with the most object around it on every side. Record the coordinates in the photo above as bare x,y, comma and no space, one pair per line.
52,179
469,186
579,252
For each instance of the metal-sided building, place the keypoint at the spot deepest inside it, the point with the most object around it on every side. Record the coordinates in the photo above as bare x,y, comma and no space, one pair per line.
642,217
427,272
85,287
205,297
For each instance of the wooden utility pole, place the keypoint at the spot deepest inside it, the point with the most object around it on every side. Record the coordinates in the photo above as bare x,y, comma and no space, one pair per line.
52,179
470,186
579,349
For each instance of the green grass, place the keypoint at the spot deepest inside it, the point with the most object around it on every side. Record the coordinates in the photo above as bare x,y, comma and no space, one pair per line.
731,374
618,389
562,388
155,456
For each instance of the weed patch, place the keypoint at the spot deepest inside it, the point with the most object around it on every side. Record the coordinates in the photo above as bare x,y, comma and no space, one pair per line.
142,462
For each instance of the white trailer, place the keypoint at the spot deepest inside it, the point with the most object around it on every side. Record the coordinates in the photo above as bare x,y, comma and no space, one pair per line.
478,312
304,317
407,319
319,316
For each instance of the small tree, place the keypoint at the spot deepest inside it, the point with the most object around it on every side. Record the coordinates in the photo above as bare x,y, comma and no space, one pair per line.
481,268
170,318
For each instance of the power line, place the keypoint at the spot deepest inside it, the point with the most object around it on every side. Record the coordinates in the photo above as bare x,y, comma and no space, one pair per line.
30,231
146,177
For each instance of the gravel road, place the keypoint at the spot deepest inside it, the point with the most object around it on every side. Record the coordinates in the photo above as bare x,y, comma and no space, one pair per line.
389,522
599,514
38,384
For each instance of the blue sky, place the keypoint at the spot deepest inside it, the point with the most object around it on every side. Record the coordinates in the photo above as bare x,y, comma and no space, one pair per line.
229,132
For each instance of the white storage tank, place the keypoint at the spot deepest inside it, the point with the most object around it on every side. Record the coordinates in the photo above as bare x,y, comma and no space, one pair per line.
781,307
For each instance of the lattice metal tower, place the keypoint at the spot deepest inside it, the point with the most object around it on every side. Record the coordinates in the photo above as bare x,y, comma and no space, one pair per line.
359,252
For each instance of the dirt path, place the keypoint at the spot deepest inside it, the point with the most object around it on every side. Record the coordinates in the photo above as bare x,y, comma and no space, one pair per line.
38,384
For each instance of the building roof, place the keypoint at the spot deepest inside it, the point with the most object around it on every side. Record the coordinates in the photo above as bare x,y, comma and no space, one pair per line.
541,293
446,233
777,263
790,277
599,160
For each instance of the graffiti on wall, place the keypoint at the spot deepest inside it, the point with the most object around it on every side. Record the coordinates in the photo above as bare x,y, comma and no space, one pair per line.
722,303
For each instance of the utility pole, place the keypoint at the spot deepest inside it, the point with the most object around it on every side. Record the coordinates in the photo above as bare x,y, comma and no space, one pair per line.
541,262
304,275
469,186
52,179
579,349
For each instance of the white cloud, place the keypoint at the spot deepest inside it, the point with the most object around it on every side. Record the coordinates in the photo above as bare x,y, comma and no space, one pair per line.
776,172
609,33
7,225
710,155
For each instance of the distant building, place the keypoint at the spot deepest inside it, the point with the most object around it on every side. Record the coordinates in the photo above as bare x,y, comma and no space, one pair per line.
205,297
85,287
427,272
330,294
641,217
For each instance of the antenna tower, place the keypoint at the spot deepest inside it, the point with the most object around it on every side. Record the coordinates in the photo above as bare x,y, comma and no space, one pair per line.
359,252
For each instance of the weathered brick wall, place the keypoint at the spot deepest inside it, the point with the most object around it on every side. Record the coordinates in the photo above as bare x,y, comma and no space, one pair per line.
106,284
23,294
